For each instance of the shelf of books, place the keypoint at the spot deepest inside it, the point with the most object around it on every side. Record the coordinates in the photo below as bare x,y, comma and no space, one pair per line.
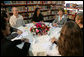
73,9
27,8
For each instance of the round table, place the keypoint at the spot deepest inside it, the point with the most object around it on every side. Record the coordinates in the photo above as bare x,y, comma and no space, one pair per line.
40,45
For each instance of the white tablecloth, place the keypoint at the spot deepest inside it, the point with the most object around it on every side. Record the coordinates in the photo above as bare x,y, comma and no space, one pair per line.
40,45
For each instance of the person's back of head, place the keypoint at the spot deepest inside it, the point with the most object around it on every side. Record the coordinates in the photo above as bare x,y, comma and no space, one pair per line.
70,42
3,13
3,24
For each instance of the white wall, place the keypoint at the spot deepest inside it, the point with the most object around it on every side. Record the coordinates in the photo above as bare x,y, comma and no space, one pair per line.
75,2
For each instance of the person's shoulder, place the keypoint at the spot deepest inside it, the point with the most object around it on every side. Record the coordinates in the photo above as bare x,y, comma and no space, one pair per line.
82,29
20,16
41,14
12,17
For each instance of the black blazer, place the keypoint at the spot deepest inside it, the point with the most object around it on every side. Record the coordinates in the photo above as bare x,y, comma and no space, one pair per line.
82,29
13,29
8,48
37,19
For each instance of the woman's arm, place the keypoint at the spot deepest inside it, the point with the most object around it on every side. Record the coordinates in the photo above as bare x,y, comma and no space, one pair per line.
55,21
16,42
25,48
12,50
33,18
13,29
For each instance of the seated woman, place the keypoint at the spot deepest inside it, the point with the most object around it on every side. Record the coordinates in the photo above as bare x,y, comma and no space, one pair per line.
37,17
3,13
5,17
61,19
79,20
8,48
70,42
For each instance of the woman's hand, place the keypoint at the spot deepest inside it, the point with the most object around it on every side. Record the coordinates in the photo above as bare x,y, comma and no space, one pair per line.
54,24
34,22
42,21
53,39
19,32
25,40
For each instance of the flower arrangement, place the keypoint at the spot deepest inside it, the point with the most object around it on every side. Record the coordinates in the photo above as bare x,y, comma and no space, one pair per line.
39,29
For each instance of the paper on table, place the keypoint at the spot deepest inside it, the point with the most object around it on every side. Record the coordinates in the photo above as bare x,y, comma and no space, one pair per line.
46,45
20,45
20,36
55,32
42,44
16,38
21,28
54,51
24,34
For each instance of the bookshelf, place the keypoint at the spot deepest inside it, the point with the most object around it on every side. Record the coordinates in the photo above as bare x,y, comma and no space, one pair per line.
26,8
73,9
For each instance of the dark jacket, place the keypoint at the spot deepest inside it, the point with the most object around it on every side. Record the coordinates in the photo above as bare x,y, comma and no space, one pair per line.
12,35
82,29
8,48
37,19
13,29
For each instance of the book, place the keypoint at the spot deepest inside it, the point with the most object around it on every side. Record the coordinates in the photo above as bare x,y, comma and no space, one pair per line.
7,2
30,15
14,2
31,8
54,2
54,12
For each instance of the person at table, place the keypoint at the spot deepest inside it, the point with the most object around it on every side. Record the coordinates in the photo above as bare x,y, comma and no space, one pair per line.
79,20
8,48
37,17
3,13
16,19
70,42
60,19
5,18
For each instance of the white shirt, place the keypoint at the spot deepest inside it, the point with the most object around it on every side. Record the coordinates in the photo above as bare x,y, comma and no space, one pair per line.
16,22
59,18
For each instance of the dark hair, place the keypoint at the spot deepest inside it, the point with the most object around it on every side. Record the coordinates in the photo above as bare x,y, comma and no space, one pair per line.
70,42
35,12
3,13
61,9
3,24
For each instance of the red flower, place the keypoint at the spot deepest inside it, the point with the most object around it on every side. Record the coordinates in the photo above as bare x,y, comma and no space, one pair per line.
30,28
38,25
40,28
37,30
